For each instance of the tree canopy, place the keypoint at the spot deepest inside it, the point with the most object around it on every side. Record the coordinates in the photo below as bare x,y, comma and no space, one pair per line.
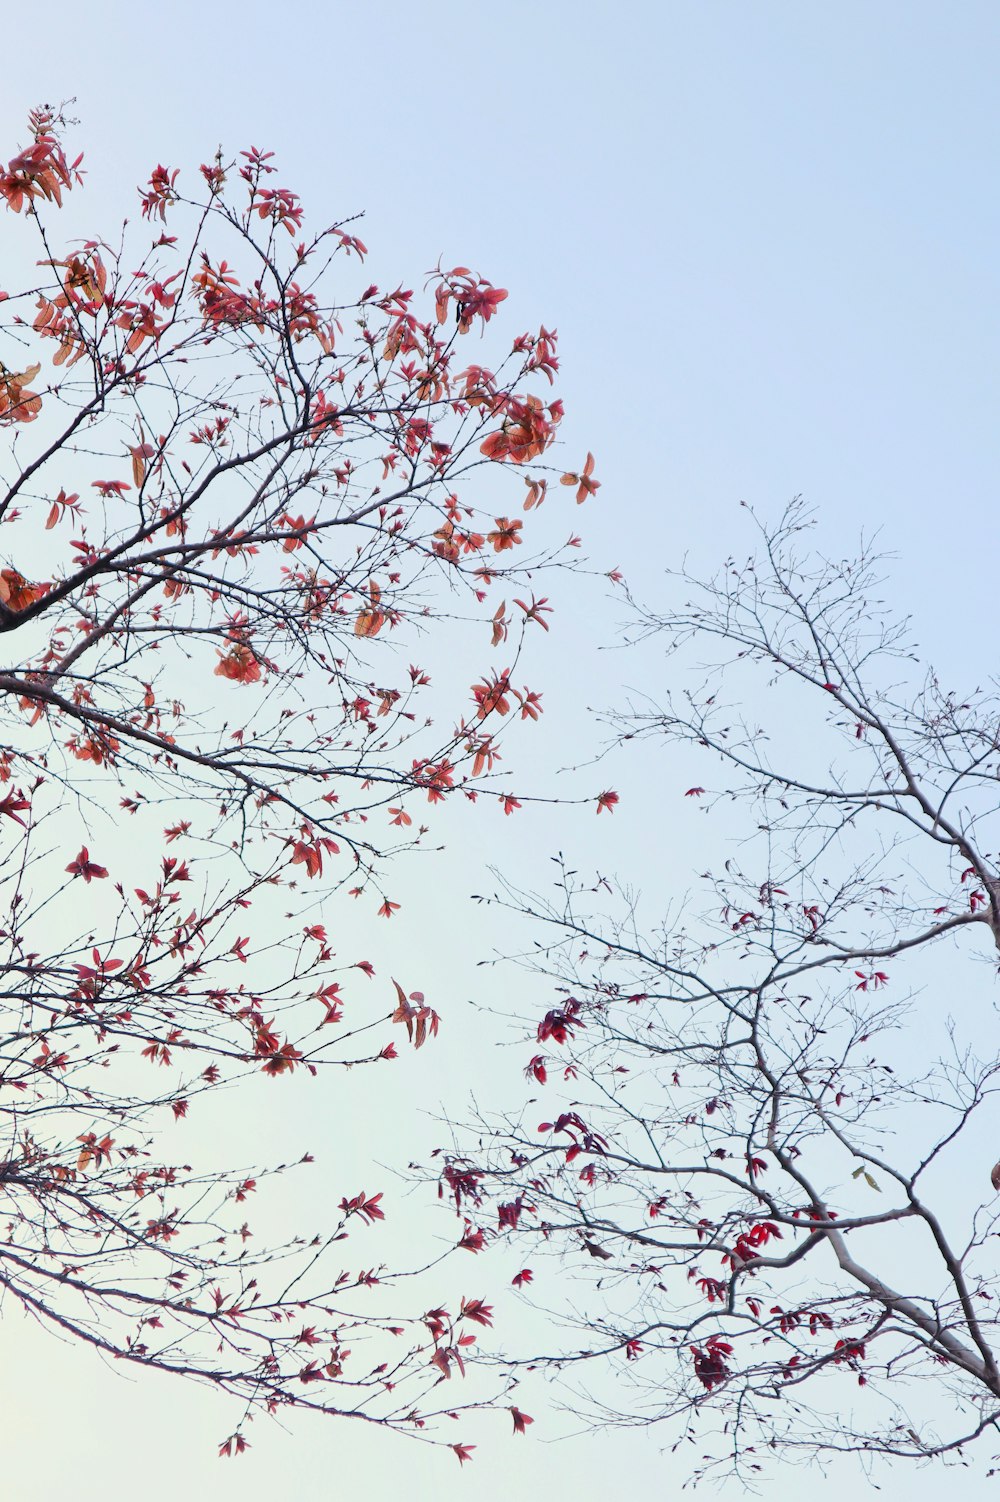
234,510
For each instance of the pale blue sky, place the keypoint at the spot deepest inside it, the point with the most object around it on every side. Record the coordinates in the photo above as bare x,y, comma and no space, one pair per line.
768,235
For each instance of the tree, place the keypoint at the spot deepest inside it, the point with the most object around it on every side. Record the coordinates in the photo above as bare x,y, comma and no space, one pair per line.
766,1168
232,507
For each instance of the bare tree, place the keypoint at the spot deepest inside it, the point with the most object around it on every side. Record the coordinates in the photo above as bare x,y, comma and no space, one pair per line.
765,1172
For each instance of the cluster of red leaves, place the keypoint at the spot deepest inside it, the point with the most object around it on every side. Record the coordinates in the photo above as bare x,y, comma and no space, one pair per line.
192,557
41,171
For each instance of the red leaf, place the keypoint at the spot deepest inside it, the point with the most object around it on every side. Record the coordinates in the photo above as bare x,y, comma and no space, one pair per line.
521,1420
476,1309
85,867
13,806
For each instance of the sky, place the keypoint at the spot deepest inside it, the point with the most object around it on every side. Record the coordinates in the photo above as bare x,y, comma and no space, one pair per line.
768,237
